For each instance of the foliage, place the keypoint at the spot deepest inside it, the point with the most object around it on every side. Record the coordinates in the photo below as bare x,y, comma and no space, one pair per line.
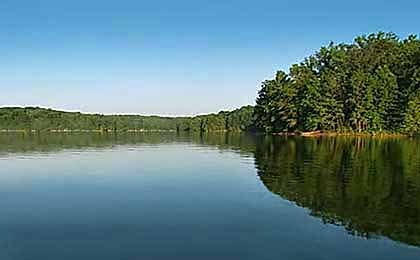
412,117
366,86
371,85
40,119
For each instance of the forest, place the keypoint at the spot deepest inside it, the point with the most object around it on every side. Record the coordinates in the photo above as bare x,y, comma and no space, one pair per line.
47,120
371,85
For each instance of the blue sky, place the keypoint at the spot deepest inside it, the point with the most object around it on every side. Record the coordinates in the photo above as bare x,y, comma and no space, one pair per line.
180,57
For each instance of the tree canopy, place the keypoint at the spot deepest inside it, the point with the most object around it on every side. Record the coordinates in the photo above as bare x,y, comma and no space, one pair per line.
370,85
40,119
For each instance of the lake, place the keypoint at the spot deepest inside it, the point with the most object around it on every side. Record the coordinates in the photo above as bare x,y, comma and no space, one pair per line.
219,196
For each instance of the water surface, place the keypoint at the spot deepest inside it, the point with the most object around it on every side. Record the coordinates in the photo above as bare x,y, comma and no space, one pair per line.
168,196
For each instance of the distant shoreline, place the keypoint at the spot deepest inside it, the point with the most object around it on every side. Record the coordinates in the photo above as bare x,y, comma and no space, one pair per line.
302,134
34,119
84,131
101,131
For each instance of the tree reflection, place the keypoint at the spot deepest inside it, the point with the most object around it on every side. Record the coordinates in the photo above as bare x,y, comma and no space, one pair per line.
370,186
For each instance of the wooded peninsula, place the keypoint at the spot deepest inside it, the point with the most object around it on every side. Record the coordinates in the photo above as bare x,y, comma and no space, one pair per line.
369,86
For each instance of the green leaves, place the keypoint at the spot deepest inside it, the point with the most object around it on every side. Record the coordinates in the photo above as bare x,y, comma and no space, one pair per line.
412,116
40,119
366,86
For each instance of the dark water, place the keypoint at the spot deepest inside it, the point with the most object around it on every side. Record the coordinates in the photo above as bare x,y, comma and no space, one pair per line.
165,196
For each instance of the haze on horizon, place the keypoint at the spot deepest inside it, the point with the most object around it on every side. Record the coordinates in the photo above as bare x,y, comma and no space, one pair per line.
170,57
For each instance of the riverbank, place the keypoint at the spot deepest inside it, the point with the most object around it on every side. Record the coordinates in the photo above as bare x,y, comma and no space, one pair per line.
85,131
134,131
332,134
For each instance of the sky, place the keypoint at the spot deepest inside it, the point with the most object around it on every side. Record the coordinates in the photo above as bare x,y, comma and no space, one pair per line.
182,57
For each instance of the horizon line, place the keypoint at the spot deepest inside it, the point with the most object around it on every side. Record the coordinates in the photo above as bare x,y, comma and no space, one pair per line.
118,114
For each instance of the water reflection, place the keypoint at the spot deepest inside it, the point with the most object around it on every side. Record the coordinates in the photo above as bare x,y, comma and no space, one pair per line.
369,186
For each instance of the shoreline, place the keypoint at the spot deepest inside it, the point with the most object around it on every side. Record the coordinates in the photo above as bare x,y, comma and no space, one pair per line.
84,131
333,134
63,131
302,134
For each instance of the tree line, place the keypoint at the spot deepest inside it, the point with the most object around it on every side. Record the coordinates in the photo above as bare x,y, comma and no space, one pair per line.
370,85
41,119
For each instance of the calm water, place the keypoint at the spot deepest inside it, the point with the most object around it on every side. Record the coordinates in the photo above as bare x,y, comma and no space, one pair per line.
208,197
